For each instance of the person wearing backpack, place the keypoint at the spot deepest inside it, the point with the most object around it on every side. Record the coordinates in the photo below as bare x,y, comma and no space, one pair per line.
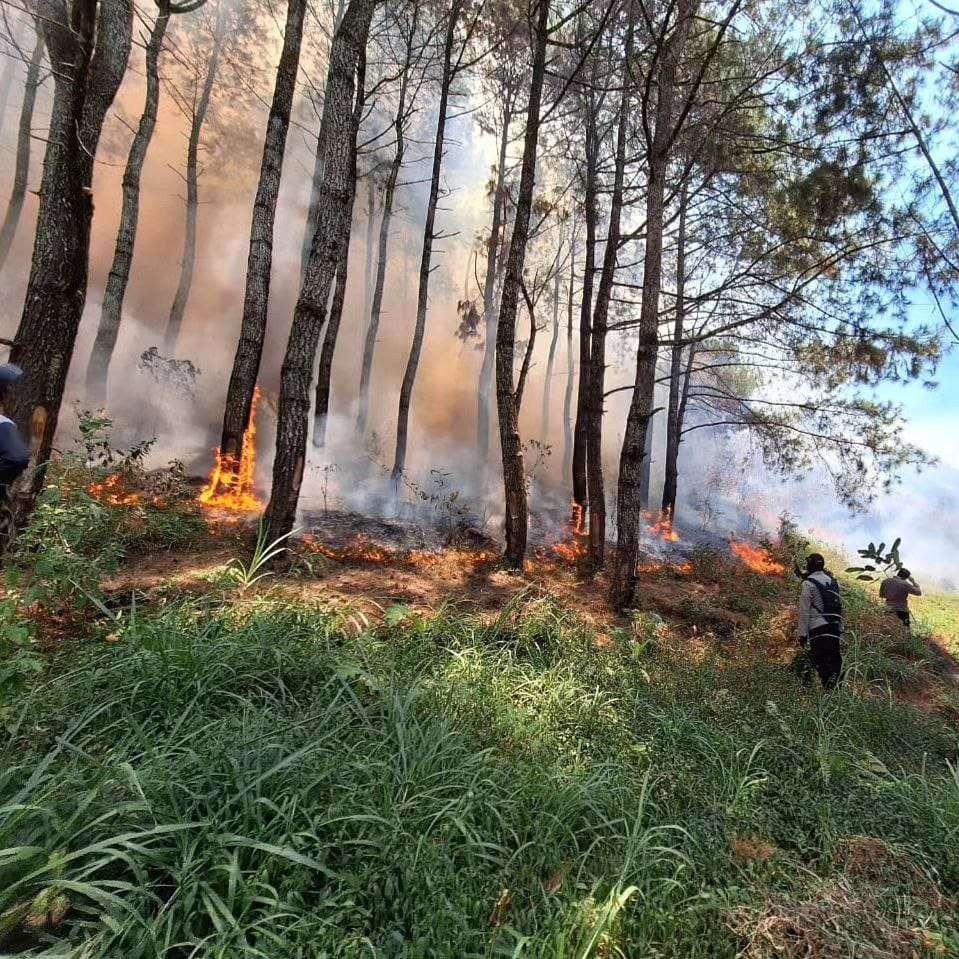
820,620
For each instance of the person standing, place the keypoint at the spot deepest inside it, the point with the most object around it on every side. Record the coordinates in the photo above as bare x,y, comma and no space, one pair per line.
14,455
820,620
896,590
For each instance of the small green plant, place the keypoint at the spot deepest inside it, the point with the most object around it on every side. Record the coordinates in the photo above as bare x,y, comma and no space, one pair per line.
247,575
18,658
881,563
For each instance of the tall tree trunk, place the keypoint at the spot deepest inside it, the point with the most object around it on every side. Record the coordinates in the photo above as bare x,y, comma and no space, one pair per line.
111,311
514,478
551,358
324,375
370,232
629,503
673,437
6,86
249,350
188,263
591,215
342,109
389,193
596,385
317,179
570,372
646,473
22,168
490,316
426,258
90,46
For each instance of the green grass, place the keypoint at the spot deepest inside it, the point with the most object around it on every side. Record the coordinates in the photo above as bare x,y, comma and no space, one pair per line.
271,780
939,615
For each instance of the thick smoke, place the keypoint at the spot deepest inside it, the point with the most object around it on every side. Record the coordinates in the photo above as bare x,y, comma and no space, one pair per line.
443,471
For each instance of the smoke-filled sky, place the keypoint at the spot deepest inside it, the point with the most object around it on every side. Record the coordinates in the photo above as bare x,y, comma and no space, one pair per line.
924,510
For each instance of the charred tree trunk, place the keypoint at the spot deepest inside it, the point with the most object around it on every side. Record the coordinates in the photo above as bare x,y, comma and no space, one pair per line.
507,399
249,350
570,372
629,504
581,431
551,358
342,108
389,193
490,316
426,259
324,376
596,385
111,311
188,263
22,168
90,46
673,435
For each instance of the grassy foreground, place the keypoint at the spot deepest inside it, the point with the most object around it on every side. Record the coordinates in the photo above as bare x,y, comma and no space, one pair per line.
239,770
252,779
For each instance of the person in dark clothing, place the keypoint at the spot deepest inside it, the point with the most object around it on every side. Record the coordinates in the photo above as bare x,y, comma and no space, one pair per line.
14,455
820,620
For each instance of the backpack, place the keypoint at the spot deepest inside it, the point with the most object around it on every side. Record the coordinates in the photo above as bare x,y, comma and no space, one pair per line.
830,601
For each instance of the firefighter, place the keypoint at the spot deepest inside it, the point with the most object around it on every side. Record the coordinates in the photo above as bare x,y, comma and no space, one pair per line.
820,620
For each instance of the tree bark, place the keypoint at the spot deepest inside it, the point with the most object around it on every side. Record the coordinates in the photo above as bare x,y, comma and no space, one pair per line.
514,478
426,258
629,501
249,350
490,316
389,193
673,436
342,109
570,372
22,169
590,213
551,358
188,263
596,385
111,311
90,47
646,472
324,376
370,232
317,179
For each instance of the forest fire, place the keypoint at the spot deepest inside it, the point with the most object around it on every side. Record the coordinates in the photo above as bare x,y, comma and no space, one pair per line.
758,559
112,492
230,486
573,548
674,569
359,549
662,526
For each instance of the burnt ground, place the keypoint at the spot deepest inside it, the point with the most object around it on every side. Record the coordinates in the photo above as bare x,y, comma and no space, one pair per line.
706,597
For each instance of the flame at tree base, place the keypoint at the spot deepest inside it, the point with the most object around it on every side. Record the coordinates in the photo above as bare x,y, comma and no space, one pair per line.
573,548
231,483
661,526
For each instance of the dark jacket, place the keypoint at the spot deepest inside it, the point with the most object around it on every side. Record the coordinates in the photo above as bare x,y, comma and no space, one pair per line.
14,455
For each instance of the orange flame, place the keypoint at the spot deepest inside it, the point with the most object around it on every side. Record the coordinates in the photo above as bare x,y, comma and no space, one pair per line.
662,526
758,559
573,548
113,493
231,485
675,569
